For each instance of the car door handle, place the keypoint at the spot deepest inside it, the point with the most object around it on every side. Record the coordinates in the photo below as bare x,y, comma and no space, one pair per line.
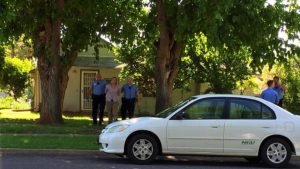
266,127
215,127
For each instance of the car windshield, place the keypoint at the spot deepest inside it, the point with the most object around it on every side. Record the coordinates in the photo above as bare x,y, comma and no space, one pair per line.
165,113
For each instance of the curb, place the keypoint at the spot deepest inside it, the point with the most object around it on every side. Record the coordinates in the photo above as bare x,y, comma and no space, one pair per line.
67,152
48,151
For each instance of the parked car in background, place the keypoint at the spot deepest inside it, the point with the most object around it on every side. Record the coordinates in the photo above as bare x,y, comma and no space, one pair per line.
219,125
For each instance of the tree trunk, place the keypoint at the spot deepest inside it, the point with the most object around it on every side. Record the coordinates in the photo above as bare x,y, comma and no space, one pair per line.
167,61
47,44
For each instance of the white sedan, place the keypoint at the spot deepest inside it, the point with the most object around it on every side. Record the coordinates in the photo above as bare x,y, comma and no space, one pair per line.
221,125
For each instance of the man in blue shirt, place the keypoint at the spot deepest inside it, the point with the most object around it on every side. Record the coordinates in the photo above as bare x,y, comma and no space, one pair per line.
98,95
130,91
270,94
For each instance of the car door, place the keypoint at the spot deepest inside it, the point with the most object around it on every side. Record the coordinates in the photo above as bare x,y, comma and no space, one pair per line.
200,130
248,122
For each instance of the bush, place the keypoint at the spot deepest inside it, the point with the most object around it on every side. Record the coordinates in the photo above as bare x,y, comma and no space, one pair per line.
15,76
10,103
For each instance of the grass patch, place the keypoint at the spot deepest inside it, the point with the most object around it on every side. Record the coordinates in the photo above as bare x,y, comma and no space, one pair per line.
25,115
31,127
49,142
25,123
19,129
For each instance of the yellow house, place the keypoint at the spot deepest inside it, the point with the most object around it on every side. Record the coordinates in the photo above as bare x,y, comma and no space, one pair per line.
80,76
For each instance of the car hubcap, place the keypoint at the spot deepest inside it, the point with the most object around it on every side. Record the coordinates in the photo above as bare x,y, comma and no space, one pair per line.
142,149
276,153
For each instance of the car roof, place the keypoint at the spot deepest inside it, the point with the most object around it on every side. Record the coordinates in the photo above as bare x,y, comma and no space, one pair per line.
232,96
225,95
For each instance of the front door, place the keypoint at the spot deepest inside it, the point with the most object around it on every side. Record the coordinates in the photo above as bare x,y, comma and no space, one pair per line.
200,130
87,76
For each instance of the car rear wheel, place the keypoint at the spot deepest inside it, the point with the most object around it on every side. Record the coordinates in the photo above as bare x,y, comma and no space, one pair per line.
142,148
276,152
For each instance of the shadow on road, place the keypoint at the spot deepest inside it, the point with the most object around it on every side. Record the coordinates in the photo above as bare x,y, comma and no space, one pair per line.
192,161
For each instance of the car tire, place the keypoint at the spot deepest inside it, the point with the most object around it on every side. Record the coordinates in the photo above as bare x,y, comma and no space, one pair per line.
142,148
253,160
276,153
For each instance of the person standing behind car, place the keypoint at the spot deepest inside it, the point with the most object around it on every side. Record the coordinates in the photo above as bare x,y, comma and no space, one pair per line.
270,94
280,89
130,91
112,99
98,95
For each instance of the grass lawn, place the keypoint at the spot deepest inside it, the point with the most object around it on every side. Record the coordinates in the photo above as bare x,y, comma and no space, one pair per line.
31,127
82,142
19,129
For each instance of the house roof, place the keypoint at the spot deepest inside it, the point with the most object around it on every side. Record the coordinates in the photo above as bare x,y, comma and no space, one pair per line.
102,62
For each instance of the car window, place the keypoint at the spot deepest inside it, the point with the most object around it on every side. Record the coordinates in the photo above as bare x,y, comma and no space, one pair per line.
205,109
248,109
267,113
165,113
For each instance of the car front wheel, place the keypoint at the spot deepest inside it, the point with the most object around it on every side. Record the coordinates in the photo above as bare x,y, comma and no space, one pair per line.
276,152
142,148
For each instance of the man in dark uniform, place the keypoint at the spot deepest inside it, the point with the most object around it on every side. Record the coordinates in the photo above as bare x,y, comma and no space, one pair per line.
280,89
98,95
130,91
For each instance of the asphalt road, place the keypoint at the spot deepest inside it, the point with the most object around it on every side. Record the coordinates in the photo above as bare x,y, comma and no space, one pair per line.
87,160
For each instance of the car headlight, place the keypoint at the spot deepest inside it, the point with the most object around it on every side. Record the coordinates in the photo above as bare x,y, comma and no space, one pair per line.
117,128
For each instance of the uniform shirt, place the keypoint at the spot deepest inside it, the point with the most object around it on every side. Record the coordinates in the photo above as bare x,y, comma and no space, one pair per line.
112,94
270,95
98,87
130,91
280,92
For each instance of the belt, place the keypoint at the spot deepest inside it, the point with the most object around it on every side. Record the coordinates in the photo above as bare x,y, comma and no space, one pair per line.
99,95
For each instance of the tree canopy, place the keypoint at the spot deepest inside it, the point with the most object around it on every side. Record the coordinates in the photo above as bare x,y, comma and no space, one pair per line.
249,26
59,29
155,34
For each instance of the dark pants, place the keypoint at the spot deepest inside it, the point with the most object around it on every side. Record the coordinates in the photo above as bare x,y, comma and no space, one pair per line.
98,102
280,102
127,108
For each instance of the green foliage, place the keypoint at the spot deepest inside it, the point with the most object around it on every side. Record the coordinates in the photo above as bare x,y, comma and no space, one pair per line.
219,66
83,22
10,103
289,74
1,61
140,64
249,86
253,24
241,37
15,74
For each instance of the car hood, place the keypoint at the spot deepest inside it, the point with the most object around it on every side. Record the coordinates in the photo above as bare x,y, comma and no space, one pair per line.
134,121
